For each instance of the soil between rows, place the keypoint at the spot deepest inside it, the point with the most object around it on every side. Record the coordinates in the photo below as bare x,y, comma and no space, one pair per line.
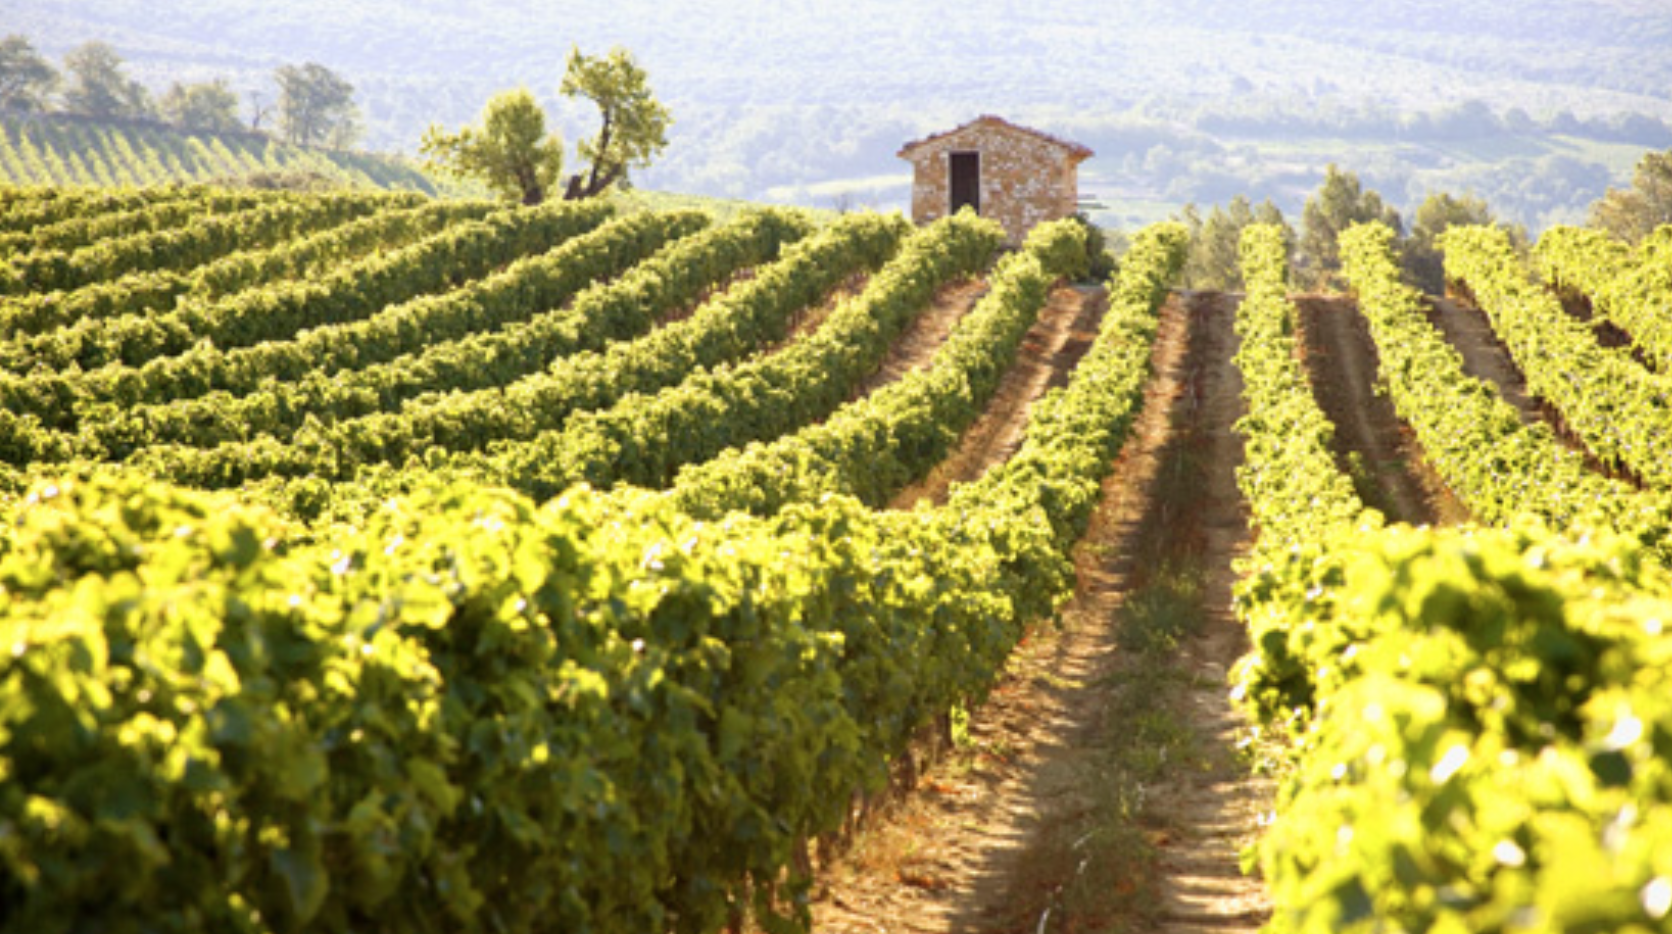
921,338
1099,785
1066,328
1373,445
1484,356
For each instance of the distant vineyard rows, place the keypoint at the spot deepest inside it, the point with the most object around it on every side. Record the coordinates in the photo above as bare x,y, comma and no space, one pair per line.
70,151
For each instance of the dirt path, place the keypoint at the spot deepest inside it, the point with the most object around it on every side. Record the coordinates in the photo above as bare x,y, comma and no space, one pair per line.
1373,444
1484,356
676,315
1099,786
811,318
1207,806
925,334
1066,328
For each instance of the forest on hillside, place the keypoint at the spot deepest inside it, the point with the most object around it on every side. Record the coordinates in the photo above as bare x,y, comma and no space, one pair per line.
1537,107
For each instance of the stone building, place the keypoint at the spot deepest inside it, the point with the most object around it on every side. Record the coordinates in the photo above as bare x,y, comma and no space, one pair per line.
1014,175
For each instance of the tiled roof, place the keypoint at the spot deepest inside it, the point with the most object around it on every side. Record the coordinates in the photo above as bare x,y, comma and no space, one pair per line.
1075,150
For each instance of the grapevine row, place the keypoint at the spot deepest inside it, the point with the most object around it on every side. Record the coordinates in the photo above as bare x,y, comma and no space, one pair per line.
1500,468
528,287
60,151
1052,483
189,245
1470,710
644,439
1622,411
150,292
461,254
1490,713
29,208
874,448
1631,288
594,715
744,319
91,227
1289,474
1298,497
606,311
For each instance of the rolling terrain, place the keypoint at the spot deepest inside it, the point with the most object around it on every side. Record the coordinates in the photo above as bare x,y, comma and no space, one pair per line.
1183,102
382,562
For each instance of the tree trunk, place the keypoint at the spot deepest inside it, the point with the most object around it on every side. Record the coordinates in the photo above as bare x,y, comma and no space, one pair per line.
592,186
579,188
530,185
596,182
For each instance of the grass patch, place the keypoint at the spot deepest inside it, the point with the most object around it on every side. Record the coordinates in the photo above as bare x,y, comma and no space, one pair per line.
1153,620
1107,852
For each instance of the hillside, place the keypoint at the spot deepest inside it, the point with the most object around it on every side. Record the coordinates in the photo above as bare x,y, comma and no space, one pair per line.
1183,101
372,559
66,150
1590,56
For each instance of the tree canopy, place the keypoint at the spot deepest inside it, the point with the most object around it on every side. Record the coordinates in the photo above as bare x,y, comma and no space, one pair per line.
1339,203
1214,261
99,88
1633,213
1424,261
634,124
207,105
316,106
510,151
26,78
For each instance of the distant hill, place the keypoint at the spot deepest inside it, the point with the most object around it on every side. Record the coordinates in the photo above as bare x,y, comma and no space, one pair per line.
808,101
67,150
421,60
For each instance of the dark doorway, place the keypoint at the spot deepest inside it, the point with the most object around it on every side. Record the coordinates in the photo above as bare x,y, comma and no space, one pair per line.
966,181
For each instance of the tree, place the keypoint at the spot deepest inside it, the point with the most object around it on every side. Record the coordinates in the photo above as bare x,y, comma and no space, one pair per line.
1268,213
1214,261
316,106
511,151
208,105
1633,213
634,124
1424,261
1339,203
25,77
100,89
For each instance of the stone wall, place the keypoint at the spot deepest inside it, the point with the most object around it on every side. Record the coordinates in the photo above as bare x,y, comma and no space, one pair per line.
1026,179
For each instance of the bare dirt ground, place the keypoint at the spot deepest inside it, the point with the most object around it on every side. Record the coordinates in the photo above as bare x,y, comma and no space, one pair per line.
707,295
1207,806
808,319
1373,445
1066,328
1099,787
1484,356
925,334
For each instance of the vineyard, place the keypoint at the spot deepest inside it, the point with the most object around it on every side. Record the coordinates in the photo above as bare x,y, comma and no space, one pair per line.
68,150
384,563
